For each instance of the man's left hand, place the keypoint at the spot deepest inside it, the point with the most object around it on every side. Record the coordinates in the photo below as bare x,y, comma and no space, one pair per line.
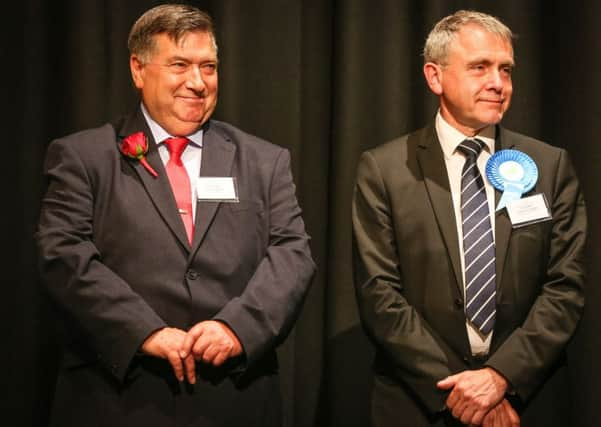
212,342
473,393
502,415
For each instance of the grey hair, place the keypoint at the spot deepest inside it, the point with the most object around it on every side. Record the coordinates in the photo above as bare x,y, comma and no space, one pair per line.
175,20
444,32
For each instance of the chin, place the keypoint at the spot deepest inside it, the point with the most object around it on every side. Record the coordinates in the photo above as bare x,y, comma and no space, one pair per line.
192,118
491,119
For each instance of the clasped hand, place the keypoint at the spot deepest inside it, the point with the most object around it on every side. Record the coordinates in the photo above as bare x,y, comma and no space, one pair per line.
477,398
210,341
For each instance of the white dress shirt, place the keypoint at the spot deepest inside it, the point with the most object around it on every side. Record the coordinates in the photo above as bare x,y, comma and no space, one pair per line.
450,138
191,157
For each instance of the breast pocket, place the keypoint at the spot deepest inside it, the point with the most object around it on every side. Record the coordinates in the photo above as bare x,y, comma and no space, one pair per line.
239,233
245,205
526,266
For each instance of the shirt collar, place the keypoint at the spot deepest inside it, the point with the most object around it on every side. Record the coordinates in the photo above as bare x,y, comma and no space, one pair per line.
450,138
161,134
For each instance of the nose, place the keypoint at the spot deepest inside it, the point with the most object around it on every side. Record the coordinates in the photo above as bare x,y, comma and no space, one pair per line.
194,79
496,80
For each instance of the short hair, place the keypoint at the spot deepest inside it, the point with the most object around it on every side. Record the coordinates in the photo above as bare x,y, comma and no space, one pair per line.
175,20
436,48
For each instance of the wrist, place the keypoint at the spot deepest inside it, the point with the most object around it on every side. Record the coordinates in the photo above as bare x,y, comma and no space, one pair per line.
146,346
500,381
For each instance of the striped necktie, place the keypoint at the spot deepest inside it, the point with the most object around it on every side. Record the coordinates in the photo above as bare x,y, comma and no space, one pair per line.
478,242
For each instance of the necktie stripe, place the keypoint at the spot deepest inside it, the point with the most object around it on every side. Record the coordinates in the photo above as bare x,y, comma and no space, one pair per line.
475,298
479,262
475,210
467,202
478,242
490,317
466,171
473,150
467,186
480,305
475,276
483,306
482,253
474,227
473,245
477,230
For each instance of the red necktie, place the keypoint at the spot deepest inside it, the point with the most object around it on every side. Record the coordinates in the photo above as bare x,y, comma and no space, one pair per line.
180,182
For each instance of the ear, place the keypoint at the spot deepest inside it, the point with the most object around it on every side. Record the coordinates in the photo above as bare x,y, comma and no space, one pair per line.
136,67
433,74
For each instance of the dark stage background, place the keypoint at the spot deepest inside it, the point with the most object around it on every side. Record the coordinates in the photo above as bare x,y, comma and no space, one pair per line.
325,78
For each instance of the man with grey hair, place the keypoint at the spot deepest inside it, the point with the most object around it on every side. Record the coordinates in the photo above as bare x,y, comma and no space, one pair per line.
174,247
468,250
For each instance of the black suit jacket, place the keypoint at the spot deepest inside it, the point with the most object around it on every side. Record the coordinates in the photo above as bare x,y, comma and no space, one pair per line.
409,282
115,257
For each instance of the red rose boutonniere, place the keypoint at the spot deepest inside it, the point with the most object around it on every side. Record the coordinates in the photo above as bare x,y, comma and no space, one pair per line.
135,146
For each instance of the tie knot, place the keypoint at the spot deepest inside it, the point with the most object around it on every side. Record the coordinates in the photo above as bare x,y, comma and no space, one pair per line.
471,147
176,146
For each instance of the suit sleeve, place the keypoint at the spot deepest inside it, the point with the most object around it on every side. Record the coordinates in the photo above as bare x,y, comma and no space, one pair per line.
263,315
394,326
530,351
112,319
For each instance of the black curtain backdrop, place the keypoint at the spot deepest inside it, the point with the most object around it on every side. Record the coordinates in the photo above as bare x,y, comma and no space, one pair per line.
326,79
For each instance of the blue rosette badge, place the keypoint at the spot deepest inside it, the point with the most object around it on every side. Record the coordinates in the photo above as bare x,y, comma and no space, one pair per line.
512,172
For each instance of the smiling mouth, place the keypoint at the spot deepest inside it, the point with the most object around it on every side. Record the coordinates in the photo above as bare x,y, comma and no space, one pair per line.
194,99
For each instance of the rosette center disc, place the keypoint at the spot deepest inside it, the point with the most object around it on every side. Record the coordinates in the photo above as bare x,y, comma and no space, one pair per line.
511,171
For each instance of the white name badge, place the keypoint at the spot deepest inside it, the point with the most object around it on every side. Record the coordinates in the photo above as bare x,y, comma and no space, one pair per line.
528,210
216,189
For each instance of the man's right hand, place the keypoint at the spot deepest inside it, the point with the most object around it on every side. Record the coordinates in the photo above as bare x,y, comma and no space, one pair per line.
166,344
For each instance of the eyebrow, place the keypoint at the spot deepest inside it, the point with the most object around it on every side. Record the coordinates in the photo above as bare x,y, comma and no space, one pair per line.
184,59
485,61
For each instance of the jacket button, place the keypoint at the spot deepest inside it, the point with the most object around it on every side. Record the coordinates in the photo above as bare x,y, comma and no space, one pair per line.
458,303
192,274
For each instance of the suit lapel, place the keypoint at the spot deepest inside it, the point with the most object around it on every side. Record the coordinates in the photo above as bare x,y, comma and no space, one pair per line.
158,188
431,160
502,223
218,153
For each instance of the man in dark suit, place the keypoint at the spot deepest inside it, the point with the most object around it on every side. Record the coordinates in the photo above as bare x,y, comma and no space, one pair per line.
175,287
470,319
